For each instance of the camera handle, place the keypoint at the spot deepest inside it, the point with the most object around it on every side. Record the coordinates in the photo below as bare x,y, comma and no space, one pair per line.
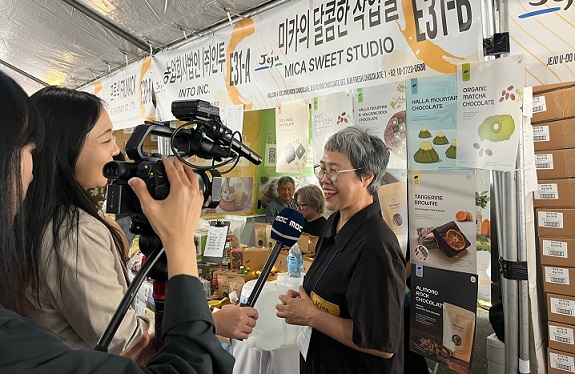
127,300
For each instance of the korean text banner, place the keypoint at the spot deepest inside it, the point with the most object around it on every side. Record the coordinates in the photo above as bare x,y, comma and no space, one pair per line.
127,94
306,48
543,32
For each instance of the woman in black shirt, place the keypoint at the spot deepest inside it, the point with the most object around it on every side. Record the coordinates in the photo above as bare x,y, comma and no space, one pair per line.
310,202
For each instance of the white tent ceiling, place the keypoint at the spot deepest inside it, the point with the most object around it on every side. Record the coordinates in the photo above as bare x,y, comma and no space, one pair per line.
73,42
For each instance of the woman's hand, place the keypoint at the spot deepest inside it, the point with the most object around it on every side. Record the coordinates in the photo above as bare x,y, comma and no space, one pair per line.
296,308
236,322
142,350
175,218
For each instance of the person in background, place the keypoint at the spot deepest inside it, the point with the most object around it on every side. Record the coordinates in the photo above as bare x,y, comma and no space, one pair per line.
81,254
286,188
352,298
310,202
190,345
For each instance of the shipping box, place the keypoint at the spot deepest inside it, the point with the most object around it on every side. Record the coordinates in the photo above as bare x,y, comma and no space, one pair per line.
555,164
554,135
255,258
557,251
558,103
561,308
556,222
559,362
561,336
559,280
555,193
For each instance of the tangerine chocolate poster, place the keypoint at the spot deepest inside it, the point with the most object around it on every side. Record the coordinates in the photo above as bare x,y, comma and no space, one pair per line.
442,226
442,324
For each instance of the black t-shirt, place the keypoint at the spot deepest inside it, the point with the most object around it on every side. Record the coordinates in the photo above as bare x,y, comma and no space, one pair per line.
314,227
358,273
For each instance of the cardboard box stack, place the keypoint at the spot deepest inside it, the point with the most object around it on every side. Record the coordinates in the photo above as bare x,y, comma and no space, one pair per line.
554,135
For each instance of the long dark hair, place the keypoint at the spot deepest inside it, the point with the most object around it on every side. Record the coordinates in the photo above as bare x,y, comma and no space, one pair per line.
56,197
19,127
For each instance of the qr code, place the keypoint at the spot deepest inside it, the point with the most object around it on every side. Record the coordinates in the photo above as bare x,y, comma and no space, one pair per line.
272,155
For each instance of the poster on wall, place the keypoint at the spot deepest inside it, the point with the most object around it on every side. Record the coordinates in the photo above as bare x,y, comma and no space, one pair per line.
302,49
393,203
381,110
483,233
442,325
432,120
542,32
330,113
442,224
236,195
489,113
127,95
292,136
266,181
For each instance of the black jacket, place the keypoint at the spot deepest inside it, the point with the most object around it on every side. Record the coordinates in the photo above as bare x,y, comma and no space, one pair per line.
190,345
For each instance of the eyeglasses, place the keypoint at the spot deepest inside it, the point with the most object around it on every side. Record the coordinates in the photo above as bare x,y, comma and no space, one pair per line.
300,206
332,174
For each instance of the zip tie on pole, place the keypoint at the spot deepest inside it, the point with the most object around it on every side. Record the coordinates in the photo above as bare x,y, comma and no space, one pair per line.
513,270
497,45
229,18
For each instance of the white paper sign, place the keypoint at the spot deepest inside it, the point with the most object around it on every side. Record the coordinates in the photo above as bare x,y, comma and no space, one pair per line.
216,241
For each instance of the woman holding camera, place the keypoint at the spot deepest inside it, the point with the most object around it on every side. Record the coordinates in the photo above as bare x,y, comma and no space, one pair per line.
82,256
189,343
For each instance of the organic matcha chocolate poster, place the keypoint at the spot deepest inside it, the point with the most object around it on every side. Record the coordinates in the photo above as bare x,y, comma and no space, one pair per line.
442,214
432,122
489,110
292,136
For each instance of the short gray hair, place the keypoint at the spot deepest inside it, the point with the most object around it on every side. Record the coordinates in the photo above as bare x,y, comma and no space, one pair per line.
313,196
366,152
286,179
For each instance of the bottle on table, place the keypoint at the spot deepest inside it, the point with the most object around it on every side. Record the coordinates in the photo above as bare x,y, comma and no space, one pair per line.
294,261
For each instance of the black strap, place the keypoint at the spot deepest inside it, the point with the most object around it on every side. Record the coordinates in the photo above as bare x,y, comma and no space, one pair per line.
513,270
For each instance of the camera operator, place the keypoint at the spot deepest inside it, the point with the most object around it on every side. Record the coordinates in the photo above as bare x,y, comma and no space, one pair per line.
81,256
189,342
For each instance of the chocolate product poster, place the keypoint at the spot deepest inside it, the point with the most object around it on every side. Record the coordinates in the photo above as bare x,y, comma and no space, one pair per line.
292,136
442,227
442,316
381,110
432,122
489,113
331,113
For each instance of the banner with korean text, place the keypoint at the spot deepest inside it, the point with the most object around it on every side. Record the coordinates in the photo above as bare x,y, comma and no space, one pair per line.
304,49
127,95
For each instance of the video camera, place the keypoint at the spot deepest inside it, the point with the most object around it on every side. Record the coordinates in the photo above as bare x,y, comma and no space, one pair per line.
210,139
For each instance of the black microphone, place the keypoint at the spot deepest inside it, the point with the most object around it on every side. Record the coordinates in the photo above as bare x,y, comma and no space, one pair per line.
286,230
222,134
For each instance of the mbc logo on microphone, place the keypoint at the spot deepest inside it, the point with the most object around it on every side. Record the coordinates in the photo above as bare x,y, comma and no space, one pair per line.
293,224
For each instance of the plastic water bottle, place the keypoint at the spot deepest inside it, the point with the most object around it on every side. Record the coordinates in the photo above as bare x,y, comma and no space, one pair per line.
294,262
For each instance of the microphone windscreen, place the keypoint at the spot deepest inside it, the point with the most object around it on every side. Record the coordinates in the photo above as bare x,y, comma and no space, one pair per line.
287,226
